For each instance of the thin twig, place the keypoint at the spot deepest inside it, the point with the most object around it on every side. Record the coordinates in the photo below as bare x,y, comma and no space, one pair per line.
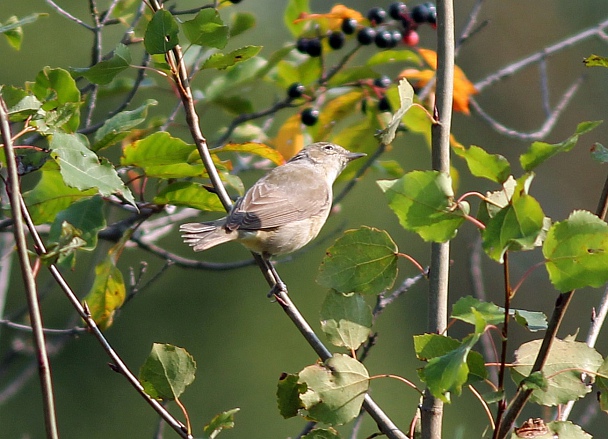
66,14
511,69
26,328
547,125
14,192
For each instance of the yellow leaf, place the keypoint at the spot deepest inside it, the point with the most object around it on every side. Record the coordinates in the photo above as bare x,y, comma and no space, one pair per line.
336,110
463,88
290,140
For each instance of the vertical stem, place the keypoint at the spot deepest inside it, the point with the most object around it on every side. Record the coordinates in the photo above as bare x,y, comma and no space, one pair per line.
502,404
432,408
44,369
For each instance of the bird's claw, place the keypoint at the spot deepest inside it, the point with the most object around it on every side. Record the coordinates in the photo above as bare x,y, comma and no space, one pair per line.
277,289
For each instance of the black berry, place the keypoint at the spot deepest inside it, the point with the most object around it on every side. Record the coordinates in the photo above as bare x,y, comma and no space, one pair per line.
396,37
383,39
349,26
366,36
383,82
397,10
420,13
235,1
313,48
336,40
432,18
295,90
376,15
384,104
302,45
309,116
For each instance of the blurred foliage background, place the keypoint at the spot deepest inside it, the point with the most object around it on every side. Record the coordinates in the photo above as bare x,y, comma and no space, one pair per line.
241,341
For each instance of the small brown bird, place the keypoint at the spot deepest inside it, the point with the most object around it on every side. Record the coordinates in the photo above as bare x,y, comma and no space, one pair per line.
282,211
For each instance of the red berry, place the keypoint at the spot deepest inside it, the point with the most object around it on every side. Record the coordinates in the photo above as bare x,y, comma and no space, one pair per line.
411,38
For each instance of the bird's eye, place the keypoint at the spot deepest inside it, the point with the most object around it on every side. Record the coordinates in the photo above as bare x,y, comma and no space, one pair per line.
328,147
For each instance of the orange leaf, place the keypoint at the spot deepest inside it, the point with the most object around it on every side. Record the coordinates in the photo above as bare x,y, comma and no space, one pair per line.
335,17
463,88
290,140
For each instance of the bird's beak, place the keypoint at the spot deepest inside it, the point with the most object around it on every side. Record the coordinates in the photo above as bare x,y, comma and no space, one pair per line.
355,155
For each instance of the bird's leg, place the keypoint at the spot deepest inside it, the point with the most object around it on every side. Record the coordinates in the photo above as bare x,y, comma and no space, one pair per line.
279,286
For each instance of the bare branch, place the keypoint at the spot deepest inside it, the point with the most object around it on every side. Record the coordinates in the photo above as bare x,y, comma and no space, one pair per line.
547,125
14,192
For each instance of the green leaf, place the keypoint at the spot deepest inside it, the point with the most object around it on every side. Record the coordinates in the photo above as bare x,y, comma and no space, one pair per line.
352,74
161,155
60,98
429,346
599,153
108,292
235,77
565,364
449,372
462,310
362,261
82,169
221,61
481,164
241,22
516,226
161,33
119,126
288,395
532,320
576,252
234,104
346,320
189,194
11,28
292,13
601,380
391,56
87,216
105,71
51,195
322,433
221,421
55,87
541,151
207,29
566,430
259,149
335,389
20,104
62,249
423,202
167,372
596,61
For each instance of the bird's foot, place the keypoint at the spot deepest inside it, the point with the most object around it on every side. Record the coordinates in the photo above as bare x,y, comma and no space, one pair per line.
277,289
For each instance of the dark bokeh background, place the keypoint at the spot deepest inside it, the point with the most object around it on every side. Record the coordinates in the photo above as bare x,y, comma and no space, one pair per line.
241,341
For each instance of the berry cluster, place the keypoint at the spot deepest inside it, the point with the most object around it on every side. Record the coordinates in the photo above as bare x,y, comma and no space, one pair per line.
386,29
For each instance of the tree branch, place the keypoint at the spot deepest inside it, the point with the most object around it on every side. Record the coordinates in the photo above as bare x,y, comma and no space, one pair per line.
432,408
14,192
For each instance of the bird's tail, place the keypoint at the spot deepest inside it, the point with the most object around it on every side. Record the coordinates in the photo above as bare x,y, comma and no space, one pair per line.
201,236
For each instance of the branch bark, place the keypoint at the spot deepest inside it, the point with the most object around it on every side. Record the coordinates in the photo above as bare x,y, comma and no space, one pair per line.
14,193
432,408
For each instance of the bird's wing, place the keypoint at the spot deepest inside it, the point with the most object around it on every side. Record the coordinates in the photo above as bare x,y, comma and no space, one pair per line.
285,195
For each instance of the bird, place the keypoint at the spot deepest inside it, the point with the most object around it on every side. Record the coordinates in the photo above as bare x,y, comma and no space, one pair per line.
284,210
